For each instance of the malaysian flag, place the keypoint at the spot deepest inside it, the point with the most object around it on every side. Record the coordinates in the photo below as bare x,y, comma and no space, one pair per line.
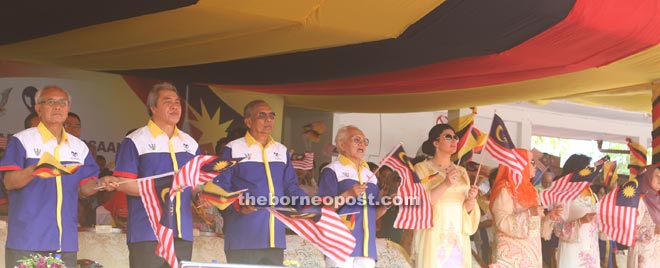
637,157
49,167
501,147
618,213
160,223
200,169
569,187
322,227
417,213
303,161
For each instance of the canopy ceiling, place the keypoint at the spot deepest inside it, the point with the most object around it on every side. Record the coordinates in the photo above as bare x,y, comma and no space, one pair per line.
361,56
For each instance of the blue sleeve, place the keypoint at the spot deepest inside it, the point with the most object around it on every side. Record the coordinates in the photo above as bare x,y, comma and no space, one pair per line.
224,179
89,169
127,161
291,186
15,155
328,185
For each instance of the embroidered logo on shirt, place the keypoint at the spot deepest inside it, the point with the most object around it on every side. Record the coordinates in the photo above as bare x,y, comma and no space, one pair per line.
248,156
74,154
152,146
37,151
186,147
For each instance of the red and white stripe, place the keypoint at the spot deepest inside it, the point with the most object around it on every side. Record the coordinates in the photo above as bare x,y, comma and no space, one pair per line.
165,236
563,190
507,157
306,163
417,215
330,235
618,222
191,174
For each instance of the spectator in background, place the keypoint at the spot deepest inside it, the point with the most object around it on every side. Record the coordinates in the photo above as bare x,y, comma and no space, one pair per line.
388,183
372,166
73,124
303,164
220,145
31,120
644,253
578,233
484,237
104,170
86,205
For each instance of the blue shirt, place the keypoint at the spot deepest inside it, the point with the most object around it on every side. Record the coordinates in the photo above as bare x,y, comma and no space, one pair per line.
146,152
263,171
33,223
339,176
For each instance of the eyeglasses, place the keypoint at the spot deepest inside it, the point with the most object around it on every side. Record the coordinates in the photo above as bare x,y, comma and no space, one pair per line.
360,140
448,137
54,102
263,115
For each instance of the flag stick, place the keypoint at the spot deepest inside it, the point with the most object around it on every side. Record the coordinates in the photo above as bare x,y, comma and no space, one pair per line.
483,155
143,178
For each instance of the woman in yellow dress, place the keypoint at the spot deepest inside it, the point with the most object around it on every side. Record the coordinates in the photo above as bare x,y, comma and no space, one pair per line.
447,243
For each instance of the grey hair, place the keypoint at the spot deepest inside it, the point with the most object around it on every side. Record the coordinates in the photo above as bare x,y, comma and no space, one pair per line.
342,134
152,98
37,96
247,111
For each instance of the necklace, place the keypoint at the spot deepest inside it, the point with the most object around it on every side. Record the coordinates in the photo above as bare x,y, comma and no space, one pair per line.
439,167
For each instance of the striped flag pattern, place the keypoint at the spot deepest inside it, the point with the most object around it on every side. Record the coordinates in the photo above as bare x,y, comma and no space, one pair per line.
416,212
165,235
618,213
303,161
501,147
198,170
325,230
3,142
637,157
569,187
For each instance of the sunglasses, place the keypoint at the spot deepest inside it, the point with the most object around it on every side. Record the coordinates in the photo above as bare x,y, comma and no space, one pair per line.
448,137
